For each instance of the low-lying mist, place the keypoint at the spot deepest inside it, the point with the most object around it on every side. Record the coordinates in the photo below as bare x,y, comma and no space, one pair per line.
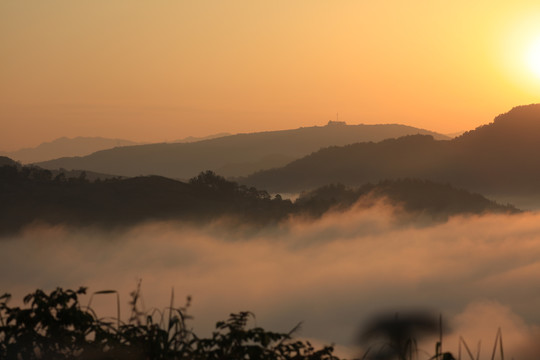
481,272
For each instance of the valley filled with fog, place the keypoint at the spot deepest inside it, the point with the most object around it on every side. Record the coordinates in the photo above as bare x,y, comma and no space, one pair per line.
331,274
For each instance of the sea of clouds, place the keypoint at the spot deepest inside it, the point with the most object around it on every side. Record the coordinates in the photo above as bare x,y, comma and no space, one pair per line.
332,274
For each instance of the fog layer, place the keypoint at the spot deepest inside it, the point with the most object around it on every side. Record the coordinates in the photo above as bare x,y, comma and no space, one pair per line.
332,274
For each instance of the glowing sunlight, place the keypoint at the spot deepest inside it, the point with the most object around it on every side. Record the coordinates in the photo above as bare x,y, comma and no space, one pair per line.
533,57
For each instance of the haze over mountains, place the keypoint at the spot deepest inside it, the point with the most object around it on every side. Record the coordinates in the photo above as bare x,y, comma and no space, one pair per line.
235,155
64,146
500,158
189,139
81,146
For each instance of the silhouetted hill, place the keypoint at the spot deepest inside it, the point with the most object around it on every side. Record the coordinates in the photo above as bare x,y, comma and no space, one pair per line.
7,161
355,164
62,173
29,195
500,158
413,196
63,146
195,138
234,155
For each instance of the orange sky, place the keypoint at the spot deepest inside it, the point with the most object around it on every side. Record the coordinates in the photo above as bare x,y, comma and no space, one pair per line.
163,70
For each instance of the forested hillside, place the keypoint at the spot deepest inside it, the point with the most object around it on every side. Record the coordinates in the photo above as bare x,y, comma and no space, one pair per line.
29,195
495,159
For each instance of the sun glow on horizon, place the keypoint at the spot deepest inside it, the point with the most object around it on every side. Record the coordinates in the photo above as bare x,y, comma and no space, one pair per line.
518,54
156,72
533,57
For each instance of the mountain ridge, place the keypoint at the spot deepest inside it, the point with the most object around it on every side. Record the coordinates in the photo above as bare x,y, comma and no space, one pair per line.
64,146
30,195
184,160
496,158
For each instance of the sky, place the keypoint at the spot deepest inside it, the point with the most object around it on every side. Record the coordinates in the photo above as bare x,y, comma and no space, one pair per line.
163,70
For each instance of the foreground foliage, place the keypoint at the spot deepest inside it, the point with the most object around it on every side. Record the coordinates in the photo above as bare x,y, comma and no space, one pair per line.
56,326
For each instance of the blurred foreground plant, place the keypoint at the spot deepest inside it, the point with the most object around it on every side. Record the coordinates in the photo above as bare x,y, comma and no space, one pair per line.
56,326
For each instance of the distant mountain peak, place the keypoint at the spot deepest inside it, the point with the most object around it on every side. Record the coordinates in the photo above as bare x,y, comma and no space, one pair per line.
64,146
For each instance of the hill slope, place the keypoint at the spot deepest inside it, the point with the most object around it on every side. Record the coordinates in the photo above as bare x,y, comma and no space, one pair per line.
31,195
498,158
7,161
61,147
234,155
